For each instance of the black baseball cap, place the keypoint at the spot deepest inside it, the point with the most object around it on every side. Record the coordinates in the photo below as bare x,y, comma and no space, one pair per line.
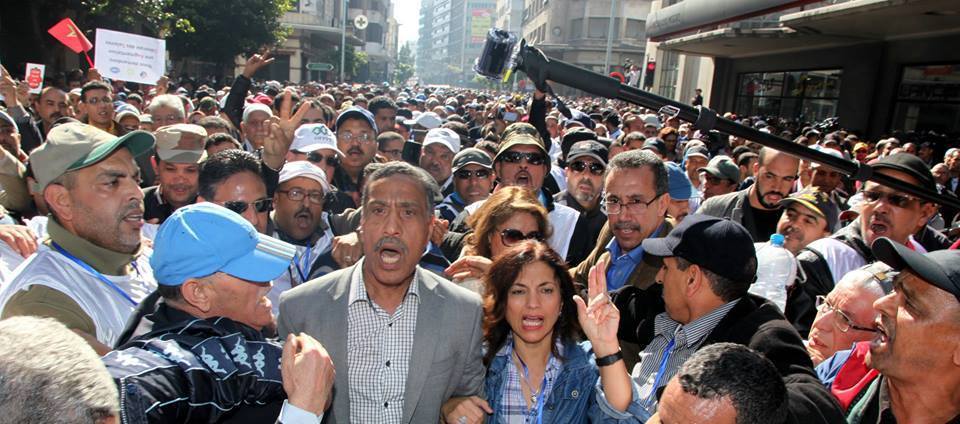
940,267
656,144
818,202
719,245
573,136
909,164
589,148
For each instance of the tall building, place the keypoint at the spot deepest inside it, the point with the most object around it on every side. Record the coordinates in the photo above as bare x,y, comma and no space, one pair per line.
577,31
509,15
877,65
675,75
451,36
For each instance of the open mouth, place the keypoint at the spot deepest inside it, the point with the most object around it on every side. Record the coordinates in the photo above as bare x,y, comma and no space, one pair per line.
390,256
879,228
532,322
882,336
523,178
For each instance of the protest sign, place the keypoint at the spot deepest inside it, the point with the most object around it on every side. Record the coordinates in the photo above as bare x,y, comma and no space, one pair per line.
34,77
130,57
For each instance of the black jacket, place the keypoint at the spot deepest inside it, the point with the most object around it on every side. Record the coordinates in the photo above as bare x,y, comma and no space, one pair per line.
185,369
587,232
735,207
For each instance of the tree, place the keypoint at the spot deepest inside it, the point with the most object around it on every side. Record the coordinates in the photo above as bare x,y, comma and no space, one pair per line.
405,66
353,61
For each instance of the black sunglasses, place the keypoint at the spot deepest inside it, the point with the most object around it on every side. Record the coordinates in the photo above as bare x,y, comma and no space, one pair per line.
466,174
595,168
898,200
511,236
332,160
261,205
535,159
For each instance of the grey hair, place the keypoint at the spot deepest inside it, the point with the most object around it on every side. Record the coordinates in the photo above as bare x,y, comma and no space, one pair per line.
725,288
49,374
167,100
876,277
423,179
636,159
735,372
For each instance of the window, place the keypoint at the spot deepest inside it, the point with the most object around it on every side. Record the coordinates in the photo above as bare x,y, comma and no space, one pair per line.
598,27
803,95
928,99
374,33
576,29
636,29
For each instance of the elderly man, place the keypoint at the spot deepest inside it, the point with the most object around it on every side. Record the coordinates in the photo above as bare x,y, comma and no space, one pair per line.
255,125
884,213
166,109
708,265
727,383
407,339
909,372
808,215
180,151
299,219
473,178
200,355
92,272
757,207
439,147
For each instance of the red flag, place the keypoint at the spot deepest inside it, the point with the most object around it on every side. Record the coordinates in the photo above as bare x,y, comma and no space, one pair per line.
67,33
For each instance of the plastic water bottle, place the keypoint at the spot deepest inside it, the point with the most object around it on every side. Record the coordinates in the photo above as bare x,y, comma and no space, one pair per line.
776,269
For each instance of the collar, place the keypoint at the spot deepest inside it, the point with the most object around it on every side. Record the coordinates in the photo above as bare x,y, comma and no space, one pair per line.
636,254
695,332
545,200
507,349
358,291
103,260
456,199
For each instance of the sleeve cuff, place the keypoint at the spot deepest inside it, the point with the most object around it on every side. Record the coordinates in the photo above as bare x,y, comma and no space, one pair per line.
634,410
290,414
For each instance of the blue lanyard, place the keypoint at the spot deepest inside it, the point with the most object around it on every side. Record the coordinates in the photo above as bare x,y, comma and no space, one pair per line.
305,260
543,385
662,370
96,273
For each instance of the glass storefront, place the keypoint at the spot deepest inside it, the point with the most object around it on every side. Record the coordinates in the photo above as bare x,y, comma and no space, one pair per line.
928,99
800,95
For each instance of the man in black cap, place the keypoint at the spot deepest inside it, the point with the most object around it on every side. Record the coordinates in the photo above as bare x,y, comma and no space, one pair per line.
708,265
885,212
585,167
473,179
916,348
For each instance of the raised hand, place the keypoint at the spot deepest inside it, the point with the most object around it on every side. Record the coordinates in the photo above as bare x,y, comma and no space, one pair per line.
8,87
163,84
255,62
468,267
280,136
599,318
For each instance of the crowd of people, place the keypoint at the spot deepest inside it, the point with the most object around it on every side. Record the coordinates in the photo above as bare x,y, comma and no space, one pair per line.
305,253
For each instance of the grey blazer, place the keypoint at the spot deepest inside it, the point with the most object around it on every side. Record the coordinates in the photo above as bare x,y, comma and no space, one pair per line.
446,360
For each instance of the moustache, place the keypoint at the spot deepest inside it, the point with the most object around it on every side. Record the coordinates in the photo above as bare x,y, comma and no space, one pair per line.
626,226
391,242
303,212
353,150
586,181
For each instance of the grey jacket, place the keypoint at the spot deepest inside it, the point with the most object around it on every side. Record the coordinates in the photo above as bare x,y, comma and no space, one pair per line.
447,357
735,207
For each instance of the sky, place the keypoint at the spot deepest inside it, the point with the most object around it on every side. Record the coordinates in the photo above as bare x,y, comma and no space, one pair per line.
407,13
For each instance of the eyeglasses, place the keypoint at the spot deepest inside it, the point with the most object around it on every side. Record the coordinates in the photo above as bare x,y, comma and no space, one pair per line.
260,205
511,236
95,100
348,136
317,158
898,200
535,159
391,153
616,206
595,168
297,195
843,324
466,174
711,179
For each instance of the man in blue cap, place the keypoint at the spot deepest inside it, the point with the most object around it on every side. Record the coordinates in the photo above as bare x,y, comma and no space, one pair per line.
682,198
201,356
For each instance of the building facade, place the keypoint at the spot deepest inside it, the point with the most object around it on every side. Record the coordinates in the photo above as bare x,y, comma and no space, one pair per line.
451,36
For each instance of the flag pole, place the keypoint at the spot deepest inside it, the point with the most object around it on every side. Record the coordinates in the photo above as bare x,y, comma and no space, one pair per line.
90,62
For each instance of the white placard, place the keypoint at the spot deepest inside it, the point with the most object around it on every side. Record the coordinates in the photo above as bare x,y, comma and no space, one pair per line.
130,57
34,77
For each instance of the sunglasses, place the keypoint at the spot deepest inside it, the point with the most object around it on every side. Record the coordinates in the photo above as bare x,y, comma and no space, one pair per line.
897,200
261,205
332,160
466,174
511,236
595,168
535,159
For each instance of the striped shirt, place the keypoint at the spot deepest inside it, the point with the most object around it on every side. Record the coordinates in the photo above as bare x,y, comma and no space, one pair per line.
513,407
379,346
673,343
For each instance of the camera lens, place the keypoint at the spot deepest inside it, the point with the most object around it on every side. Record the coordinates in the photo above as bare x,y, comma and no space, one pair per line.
496,53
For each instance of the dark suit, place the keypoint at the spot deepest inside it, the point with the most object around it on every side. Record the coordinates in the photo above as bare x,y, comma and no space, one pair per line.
446,360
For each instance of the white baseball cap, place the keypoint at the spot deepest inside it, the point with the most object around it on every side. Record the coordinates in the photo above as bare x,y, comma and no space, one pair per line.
302,168
313,137
444,136
428,120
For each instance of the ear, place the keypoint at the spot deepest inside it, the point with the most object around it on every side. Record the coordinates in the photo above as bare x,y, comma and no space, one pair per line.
59,202
198,293
927,211
695,281
154,164
662,203
756,169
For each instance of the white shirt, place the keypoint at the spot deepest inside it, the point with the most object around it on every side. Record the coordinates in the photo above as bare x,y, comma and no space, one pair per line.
107,308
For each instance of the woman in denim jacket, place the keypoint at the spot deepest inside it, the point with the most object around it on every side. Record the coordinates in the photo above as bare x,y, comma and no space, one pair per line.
537,371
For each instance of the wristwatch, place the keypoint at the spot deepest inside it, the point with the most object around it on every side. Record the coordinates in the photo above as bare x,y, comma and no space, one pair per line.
609,359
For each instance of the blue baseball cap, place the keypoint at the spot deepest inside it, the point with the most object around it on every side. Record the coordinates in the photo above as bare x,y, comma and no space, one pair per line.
205,238
678,184
356,112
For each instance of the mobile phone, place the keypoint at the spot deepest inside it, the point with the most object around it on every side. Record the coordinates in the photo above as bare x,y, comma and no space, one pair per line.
510,116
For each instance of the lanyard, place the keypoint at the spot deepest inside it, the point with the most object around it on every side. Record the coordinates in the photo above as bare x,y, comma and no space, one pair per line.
543,386
305,260
96,273
661,371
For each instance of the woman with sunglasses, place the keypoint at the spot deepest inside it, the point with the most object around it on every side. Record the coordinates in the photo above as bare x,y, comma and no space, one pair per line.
846,315
509,216
538,370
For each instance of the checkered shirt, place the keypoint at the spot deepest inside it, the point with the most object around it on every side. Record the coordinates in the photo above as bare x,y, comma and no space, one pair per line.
513,407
